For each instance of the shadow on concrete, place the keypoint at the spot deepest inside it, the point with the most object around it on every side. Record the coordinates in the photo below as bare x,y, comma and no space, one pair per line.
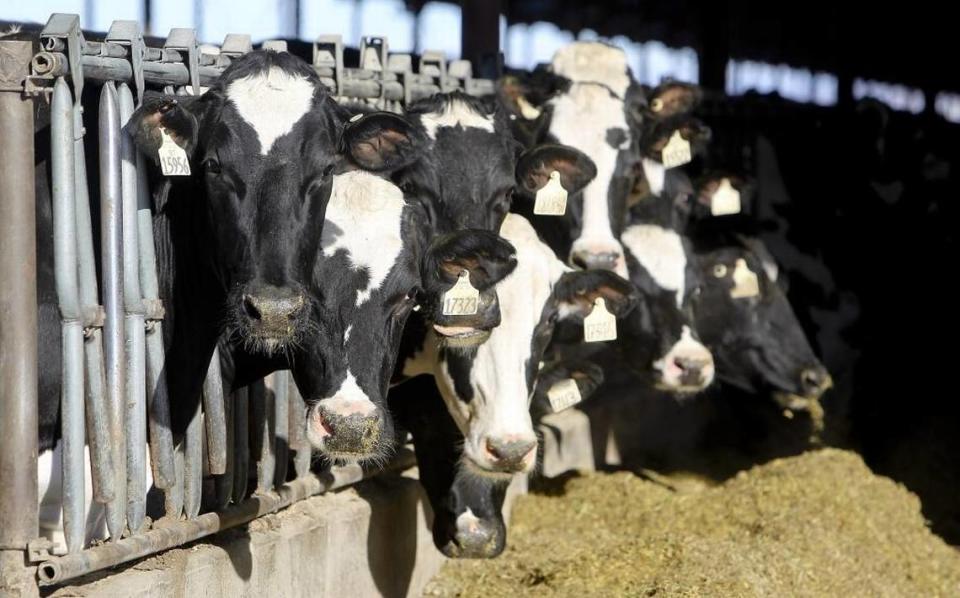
393,531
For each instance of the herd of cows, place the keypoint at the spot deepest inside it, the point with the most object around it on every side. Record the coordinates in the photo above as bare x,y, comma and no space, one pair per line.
503,246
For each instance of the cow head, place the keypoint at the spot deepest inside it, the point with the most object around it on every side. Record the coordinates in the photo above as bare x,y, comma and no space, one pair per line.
262,149
746,320
660,339
488,390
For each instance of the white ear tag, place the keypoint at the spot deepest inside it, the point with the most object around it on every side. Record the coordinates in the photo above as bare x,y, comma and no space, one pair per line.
725,200
745,282
355,117
551,198
676,152
173,160
600,324
462,299
564,394
527,110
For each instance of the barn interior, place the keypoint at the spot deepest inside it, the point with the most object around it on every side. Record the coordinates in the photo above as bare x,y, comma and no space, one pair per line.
845,118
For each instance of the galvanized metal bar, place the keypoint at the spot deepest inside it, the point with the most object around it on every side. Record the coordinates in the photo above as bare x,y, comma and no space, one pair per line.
158,402
193,465
18,310
111,250
241,444
224,482
135,412
262,405
173,498
98,417
68,295
214,417
297,430
281,424
173,534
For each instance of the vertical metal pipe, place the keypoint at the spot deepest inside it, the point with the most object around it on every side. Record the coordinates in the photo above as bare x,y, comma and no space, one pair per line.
241,444
68,295
173,498
135,411
98,417
281,404
193,465
18,309
224,482
158,403
262,401
297,431
111,250
214,417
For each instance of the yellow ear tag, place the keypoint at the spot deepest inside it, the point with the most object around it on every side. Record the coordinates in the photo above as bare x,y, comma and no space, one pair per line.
551,198
173,160
527,110
600,325
564,394
745,282
725,200
676,152
462,299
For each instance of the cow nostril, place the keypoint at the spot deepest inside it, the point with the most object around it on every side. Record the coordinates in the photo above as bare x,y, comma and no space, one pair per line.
578,261
250,308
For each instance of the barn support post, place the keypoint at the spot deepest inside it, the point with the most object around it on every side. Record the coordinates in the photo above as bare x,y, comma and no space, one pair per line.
480,37
18,323
214,417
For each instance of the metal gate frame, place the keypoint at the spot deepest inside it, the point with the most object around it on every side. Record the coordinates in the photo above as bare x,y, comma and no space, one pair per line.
114,398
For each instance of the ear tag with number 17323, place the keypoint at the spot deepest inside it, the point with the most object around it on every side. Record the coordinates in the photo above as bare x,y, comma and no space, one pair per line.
462,299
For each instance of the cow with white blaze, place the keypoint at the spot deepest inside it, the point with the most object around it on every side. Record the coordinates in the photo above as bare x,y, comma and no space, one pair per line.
255,248
589,100
464,181
488,389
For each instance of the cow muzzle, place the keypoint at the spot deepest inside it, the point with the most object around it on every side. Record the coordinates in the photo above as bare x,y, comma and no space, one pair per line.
470,537
272,314
502,457
687,368
347,429
599,256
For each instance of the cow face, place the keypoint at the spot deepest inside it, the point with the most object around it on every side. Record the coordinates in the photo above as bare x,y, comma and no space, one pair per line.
262,148
488,389
464,181
747,322
660,339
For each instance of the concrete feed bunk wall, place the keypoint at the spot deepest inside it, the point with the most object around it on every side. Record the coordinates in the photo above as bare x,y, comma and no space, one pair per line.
372,539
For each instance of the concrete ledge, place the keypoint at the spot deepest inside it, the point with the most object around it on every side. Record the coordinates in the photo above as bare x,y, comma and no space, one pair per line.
368,540
372,539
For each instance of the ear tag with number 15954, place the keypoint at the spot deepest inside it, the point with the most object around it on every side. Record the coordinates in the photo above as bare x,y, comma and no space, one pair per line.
551,198
600,324
173,160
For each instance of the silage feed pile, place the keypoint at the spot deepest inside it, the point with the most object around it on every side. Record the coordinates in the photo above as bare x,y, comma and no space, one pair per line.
820,524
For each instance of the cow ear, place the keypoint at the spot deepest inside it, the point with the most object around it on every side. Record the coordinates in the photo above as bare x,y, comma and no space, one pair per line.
576,293
673,98
535,165
587,375
381,141
488,257
164,113
691,129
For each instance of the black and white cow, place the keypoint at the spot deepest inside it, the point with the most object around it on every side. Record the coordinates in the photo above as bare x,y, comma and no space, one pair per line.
588,102
488,389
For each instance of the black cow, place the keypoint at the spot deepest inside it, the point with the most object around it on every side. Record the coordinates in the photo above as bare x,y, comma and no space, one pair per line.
744,317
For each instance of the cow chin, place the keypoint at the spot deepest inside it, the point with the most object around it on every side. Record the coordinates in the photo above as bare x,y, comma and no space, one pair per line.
460,337
475,467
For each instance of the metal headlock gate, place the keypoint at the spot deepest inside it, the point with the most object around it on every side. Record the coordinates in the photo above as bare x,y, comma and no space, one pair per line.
114,397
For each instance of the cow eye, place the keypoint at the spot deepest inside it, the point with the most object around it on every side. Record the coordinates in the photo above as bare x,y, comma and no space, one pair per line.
211,166
720,270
